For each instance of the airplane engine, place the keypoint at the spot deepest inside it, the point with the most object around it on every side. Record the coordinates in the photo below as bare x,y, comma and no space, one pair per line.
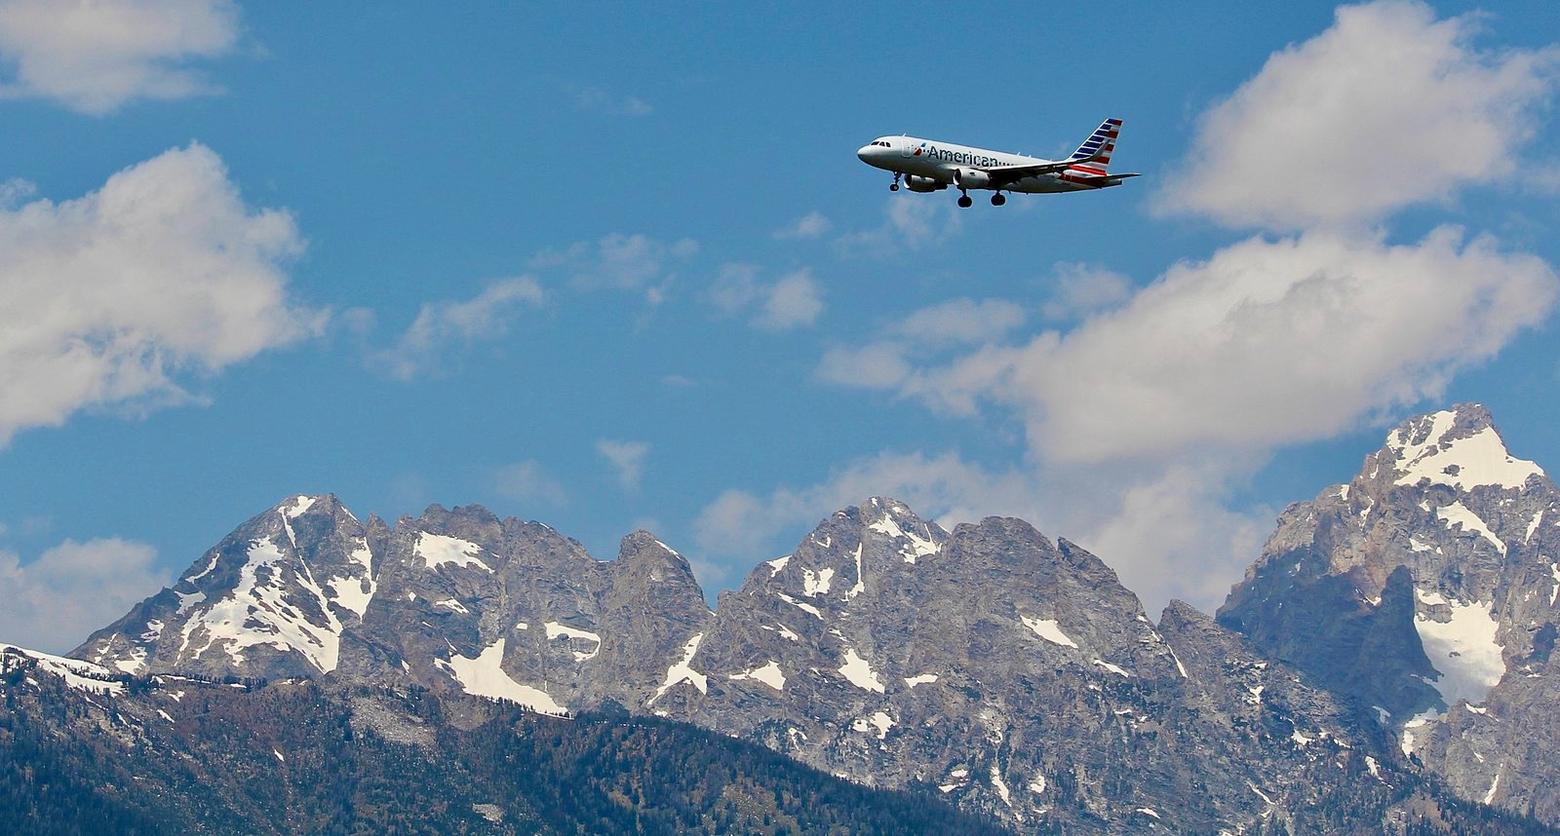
971,178
917,183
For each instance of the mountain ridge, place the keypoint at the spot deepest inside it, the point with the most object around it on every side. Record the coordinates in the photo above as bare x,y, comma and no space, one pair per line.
1012,672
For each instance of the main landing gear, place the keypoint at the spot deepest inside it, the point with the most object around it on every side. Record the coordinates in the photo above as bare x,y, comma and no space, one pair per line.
998,199
894,186
964,199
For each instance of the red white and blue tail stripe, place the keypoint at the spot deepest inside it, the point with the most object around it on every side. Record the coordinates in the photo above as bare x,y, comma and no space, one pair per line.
1093,156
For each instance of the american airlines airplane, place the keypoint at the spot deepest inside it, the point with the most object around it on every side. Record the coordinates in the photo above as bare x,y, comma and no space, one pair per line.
928,166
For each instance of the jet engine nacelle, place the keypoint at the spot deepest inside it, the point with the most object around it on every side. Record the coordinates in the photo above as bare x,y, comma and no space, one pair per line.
971,178
917,183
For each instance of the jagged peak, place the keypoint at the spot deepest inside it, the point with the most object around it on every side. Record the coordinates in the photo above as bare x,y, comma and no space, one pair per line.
1458,447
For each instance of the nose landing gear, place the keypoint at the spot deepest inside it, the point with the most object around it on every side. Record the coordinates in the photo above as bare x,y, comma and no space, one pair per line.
894,186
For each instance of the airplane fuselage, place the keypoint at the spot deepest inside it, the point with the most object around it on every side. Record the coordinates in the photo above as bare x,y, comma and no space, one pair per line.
940,162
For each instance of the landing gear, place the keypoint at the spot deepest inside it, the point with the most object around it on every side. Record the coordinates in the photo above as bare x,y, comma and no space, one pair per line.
998,199
894,186
964,201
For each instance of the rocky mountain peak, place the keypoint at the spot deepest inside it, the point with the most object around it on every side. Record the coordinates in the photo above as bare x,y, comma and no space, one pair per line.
1459,448
1423,590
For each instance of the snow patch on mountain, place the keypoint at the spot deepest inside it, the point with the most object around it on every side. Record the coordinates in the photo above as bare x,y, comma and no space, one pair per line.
1462,647
920,679
1462,463
916,546
260,612
79,675
878,721
437,550
777,564
683,671
297,506
1457,514
556,630
769,674
353,593
484,676
859,673
860,585
801,606
1050,630
815,585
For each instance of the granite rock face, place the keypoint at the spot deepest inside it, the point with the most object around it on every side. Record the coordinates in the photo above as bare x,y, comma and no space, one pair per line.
451,600
1424,590
1387,655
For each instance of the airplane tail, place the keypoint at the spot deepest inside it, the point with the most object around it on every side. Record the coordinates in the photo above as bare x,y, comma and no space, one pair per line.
1093,156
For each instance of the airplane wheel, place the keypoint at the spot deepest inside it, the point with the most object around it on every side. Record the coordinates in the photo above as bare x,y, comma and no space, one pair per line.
965,202
998,199
893,187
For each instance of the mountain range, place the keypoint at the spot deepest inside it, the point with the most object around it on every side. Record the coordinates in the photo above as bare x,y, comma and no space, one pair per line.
1385,665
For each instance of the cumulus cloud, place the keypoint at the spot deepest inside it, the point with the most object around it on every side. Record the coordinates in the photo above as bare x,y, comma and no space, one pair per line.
627,459
53,603
887,362
112,297
911,222
808,226
1387,107
1213,353
94,57
791,301
421,348
527,481
1081,289
620,262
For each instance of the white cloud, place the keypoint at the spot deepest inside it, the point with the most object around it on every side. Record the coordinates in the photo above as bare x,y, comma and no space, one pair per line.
959,321
1269,342
620,262
600,100
1388,107
886,362
1275,342
94,57
876,365
14,191
53,603
1083,289
911,222
808,226
420,349
527,481
108,298
791,301
627,459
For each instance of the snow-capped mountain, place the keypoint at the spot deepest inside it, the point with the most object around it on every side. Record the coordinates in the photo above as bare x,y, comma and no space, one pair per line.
1014,674
273,599
1399,624
456,599
1425,590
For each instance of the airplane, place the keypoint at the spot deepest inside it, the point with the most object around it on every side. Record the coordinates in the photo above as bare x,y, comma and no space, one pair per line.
928,166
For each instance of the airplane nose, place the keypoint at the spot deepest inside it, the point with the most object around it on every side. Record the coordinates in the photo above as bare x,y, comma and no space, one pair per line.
863,152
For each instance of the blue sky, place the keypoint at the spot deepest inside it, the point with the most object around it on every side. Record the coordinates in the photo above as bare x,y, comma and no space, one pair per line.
594,212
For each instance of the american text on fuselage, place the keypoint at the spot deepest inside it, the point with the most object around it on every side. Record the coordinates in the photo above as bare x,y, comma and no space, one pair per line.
927,165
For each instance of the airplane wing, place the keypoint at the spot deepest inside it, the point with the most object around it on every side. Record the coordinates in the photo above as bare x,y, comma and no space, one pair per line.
1010,173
